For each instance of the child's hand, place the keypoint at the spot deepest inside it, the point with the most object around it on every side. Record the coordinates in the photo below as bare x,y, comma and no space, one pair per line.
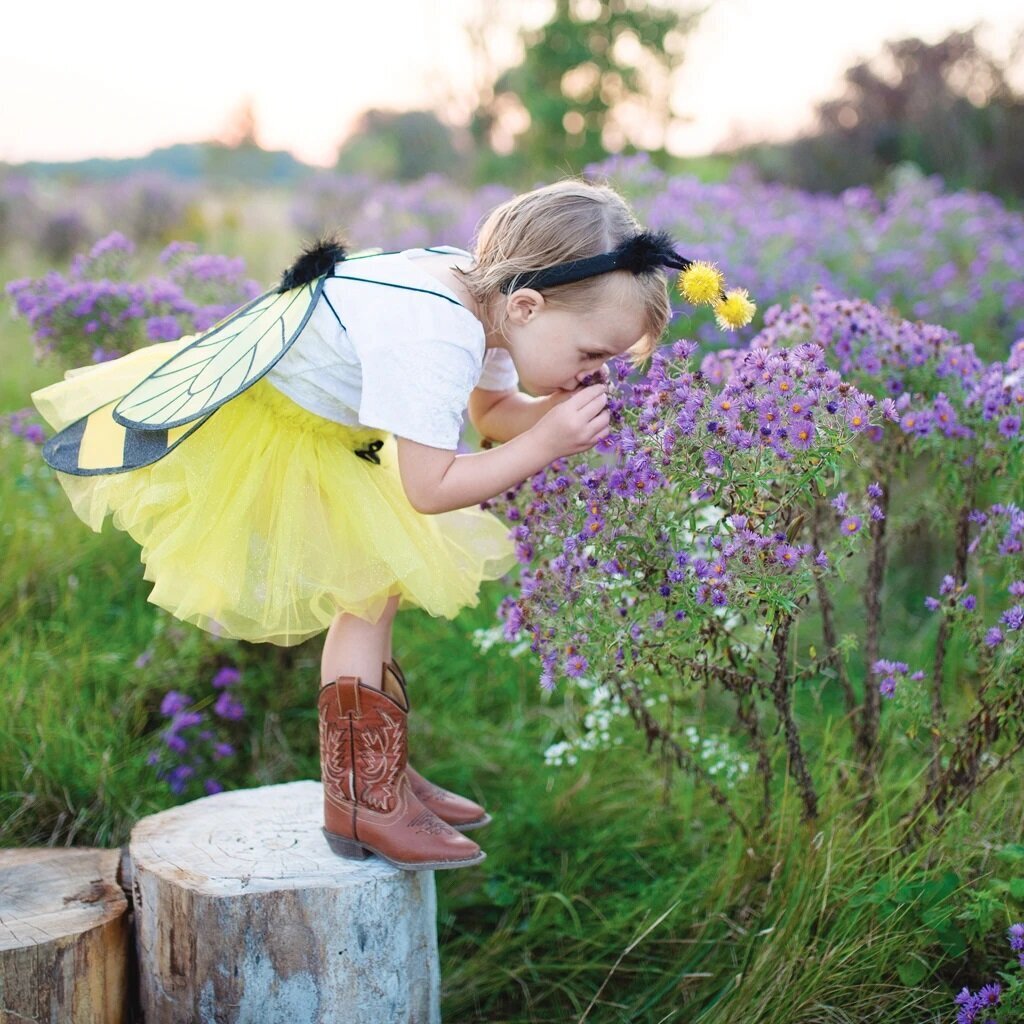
576,422
598,377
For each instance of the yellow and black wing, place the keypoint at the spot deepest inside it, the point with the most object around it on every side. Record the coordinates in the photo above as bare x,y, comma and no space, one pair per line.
179,396
221,363
98,444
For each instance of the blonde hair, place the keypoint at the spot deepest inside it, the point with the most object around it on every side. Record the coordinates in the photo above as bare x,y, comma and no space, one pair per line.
567,220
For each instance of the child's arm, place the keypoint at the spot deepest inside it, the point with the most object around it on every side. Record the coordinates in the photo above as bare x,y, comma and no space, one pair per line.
502,415
437,480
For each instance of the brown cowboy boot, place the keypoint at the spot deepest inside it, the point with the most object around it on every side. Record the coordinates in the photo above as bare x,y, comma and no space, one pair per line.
459,811
369,806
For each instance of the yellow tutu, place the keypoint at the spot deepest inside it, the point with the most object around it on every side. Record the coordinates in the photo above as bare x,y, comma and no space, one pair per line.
264,525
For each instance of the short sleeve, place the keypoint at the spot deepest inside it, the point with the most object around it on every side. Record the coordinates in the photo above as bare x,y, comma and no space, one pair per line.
418,387
499,373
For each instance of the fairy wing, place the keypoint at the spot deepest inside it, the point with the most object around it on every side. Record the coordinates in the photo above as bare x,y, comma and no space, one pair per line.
221,363
98,444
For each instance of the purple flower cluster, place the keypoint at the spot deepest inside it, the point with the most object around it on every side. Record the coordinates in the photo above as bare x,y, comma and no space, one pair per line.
55,219
850,523
971,1005
617,540
988,997
892,670
25,423
1001,531
148,206
674,508
189,745
394,215
97,312
933,385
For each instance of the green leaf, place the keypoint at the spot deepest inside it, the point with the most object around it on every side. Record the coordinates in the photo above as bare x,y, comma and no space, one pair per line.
887,909
952,941
936,917
912,973
946,884
882,888
909,891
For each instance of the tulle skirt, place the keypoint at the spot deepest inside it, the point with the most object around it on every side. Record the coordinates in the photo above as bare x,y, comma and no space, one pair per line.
264,524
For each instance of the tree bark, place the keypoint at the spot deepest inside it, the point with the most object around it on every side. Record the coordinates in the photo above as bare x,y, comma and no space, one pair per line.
244,914
65,936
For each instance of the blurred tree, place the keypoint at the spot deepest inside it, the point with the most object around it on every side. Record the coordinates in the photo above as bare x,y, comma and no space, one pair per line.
399,146
947,107
594,78
241,127
236,155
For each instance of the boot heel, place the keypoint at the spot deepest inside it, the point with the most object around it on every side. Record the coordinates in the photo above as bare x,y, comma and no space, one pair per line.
345,847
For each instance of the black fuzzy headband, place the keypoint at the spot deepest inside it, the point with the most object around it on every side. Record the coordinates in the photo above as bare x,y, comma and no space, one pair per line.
641,254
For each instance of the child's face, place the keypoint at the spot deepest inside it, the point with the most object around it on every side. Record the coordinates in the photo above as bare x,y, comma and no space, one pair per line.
554,349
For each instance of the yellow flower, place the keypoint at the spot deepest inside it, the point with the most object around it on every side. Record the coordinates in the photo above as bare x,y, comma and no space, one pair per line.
735,310
701,282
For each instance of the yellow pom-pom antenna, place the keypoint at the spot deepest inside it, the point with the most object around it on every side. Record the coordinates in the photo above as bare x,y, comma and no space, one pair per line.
701,282
735,310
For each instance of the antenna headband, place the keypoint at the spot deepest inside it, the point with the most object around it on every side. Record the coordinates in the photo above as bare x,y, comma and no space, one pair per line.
641,253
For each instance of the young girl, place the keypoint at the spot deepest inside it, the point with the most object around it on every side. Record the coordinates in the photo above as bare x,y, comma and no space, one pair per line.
326,492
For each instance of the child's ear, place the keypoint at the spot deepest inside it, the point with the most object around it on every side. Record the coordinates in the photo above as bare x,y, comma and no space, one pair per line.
523,304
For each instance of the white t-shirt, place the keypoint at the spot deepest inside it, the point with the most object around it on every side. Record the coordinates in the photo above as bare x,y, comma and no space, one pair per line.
388,346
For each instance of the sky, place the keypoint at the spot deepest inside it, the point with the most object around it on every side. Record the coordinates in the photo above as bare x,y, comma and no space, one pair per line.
102,79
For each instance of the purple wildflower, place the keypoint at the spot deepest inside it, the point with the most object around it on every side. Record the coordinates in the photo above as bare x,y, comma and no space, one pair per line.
1013,618
175,742
178,777
186,719
850,525
1009,426
787,555
227,707
226,676
174,702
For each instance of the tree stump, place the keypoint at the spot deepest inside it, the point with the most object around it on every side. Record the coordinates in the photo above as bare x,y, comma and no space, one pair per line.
243,914
65,936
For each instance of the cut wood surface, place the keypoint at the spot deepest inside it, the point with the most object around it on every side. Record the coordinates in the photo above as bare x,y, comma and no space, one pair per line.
65,936
243,914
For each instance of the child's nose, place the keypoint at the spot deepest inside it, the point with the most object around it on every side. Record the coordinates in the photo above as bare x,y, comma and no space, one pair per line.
600,373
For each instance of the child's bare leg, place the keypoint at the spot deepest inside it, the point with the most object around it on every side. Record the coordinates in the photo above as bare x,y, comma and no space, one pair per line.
387,645
355,647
